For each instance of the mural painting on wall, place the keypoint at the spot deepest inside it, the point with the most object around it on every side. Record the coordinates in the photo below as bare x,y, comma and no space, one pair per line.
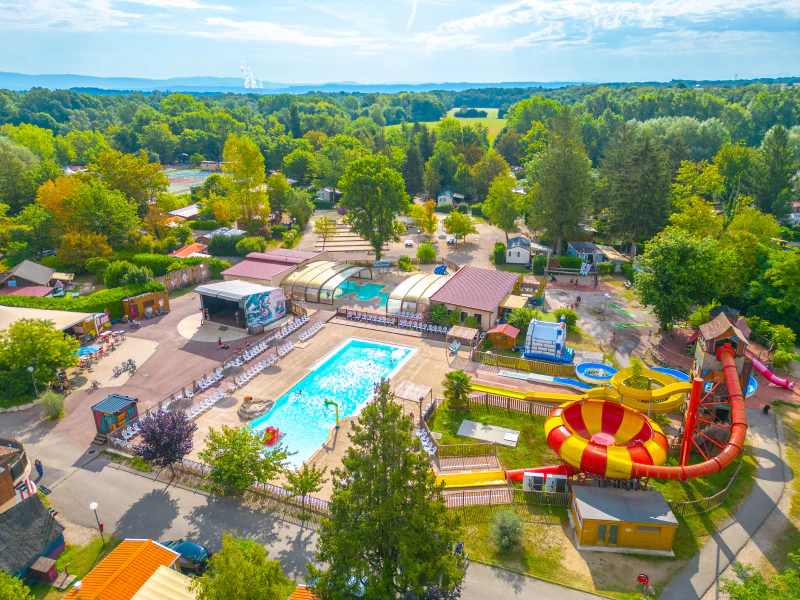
264,308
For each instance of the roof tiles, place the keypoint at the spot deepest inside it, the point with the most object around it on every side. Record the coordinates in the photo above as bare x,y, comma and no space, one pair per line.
478,289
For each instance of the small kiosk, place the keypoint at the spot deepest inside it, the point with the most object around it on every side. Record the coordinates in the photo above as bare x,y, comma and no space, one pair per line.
503,336
145,305
115,412
619,520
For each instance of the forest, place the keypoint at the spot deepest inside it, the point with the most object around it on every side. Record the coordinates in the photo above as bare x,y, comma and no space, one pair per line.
679,176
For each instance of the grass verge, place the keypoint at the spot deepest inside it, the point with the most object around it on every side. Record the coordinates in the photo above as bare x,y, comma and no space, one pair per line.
134,462
81,560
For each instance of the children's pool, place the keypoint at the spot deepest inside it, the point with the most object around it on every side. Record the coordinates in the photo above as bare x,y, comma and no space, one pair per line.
347,375
365,292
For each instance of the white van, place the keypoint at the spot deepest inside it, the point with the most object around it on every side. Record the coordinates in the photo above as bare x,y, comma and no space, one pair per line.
451,240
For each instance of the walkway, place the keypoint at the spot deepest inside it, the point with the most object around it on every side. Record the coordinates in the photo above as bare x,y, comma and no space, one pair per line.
702,571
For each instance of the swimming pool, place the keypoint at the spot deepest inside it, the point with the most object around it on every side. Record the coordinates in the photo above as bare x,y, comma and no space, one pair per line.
347,376
365,292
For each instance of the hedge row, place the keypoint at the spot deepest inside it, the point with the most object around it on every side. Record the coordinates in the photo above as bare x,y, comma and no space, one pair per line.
110,300
161,264
323,204
204,225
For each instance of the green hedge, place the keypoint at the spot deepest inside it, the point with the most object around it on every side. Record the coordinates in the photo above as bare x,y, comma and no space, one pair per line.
224,245
477,210
323,204
110,300
204,225
606,268
570,262
160,264
539,263
627,270
499,253
446,209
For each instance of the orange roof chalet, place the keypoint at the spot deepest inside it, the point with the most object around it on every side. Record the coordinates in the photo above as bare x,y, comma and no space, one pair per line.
120,574
301,592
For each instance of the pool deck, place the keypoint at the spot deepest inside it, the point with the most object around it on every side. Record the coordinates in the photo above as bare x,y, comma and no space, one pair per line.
427,366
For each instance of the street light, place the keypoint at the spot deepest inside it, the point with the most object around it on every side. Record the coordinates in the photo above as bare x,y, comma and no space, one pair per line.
30,370
606,304
93,506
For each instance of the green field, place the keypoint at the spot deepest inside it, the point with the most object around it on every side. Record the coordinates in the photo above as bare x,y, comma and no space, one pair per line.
494,124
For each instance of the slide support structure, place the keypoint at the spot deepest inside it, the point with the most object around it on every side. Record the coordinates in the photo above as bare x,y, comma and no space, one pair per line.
691,420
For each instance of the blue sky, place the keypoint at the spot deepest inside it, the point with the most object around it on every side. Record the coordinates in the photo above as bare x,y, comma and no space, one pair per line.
383,41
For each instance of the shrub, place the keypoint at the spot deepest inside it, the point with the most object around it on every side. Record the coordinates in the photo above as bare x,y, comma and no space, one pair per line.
224,245
116,272
167,245
454,318
97,266
218,266
323,204
570,316
463,208
570,262
701,315
506,528
539,263
471,322
446,209
456,388
290,239
52,403
437,314
404,263
204,225
521,317
782,358
477,210
251,244
627,270
52,262
426,253
499,253
606,268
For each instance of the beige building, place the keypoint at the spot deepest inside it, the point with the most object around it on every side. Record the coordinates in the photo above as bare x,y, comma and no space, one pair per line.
271,268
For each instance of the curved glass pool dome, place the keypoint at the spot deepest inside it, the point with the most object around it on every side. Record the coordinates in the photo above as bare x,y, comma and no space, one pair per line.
317,281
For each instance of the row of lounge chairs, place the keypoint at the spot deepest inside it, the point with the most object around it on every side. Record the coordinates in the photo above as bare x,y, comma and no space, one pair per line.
428,445
407,315
397,322
424,327
285,349
210,380
255,370
305,335
291,327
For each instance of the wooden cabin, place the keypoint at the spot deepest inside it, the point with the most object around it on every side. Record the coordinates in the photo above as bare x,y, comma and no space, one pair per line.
115,412
618,520
718,332
503,336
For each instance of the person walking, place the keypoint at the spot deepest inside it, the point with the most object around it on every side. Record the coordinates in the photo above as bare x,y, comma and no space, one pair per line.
219,343
614,338
202,316
39,468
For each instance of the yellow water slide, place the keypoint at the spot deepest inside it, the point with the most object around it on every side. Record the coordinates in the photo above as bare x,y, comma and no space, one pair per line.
667,398
473,479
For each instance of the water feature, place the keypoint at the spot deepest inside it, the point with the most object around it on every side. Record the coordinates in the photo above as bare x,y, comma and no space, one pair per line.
347,375
364,293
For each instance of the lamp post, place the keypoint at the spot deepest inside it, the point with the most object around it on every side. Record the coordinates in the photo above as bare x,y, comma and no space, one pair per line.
33,378
605,306
93,507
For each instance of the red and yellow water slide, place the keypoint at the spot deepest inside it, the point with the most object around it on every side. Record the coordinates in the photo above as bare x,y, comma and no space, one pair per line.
617,442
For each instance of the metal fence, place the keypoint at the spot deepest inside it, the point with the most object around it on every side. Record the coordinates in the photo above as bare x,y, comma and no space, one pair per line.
523,364
704,505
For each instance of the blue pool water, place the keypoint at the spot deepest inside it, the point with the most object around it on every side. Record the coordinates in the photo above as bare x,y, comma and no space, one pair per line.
347,376
365,292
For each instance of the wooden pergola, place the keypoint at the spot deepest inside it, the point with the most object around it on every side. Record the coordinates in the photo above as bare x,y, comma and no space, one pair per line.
413,392
467,334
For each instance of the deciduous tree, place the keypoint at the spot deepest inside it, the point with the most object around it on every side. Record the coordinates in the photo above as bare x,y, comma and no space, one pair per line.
77,247
324,228
771,172
500,205
244,170
304,481
486,171
374,195
166,438
133,175
425,217
459,225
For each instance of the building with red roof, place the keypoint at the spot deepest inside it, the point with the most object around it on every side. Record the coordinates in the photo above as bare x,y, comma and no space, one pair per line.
503,335
271,268
477,293
190,250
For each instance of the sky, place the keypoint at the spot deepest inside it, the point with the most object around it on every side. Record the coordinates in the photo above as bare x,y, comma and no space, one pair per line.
404,41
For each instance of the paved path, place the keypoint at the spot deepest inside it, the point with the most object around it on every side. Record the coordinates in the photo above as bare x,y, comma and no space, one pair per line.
702,571
132,505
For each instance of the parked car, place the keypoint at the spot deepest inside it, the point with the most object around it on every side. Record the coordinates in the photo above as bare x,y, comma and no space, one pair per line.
451,240
409,243
194,557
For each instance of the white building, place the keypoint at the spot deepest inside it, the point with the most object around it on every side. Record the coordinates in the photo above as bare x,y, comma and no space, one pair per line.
518,251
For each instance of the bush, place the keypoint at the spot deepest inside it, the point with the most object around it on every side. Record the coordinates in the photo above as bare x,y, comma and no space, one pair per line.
167,245
570,316
627,270
323,204
204,225
251,244
97,266
105,300
426,253
499,253
116,273
52,403
539,263
446,209
701,315
522,317
606,268
51,262
437,314
404,263
782,358
15,385
477,210
506,528
217,267
463,208
290,239
454,318
224,245
471,322
570,262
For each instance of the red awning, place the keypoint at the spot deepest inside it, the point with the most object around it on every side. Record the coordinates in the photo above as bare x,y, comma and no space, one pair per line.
693,337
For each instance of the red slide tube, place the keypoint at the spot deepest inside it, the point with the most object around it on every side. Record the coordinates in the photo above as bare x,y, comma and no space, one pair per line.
562,469
735,444
691,418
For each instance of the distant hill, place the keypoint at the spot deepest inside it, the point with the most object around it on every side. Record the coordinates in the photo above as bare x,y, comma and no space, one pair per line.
223,85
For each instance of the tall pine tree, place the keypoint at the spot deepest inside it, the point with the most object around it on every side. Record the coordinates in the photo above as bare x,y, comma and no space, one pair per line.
637,175
771,172
561,181
413,170
389,532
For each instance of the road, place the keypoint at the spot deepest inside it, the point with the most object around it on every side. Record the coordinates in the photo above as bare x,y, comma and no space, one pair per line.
133,505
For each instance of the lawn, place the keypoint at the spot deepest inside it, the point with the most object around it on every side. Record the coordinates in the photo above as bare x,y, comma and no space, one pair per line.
531,451
492,123
81,559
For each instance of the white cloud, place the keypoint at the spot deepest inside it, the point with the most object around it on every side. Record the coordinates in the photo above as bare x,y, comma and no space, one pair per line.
73,15
686,42
265,31
182,4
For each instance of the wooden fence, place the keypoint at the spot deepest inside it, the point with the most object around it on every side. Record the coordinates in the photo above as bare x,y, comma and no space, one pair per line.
523,364
488,400
176,280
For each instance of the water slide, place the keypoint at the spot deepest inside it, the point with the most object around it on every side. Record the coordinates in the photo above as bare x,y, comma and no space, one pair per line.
473,479
769,375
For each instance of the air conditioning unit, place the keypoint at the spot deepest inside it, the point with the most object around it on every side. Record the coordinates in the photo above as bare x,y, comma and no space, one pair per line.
533,482
556,483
